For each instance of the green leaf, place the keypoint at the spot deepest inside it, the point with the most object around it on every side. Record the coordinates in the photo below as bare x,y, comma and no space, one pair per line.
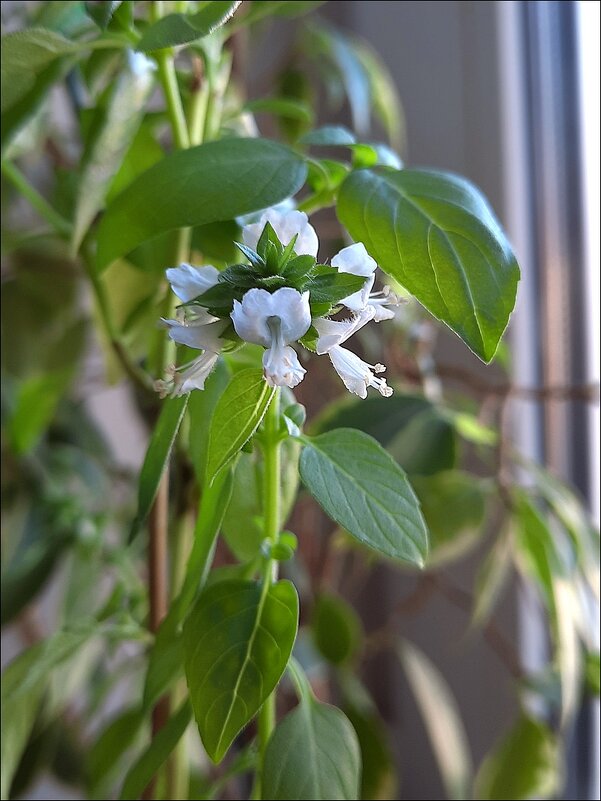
362,489
237,642
24,574
201,407
25,110
336,135
414,430
166,658
110,747
115,125
313,754
237,416
24,682
568,654
177,29
340,51
442,720
216,240
281,107
35,405
385,98
157,457
592,673
378,777
435,233
525,764
213,182
535,547
102,12
491,579
163,743
25,54
284,8
144,152
453,505
243,523
330,286
165,661
337,629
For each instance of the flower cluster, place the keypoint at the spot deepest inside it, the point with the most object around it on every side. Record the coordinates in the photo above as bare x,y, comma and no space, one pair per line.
280,298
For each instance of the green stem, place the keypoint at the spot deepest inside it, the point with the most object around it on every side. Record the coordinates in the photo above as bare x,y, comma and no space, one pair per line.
271,514
40,204
168,78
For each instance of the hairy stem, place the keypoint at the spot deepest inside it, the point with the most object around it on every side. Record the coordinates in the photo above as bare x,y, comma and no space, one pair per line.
271,513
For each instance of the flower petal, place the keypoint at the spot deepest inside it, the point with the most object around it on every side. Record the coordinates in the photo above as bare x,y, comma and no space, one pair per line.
204,337
251,316
188,282
355,260
286,224
282,367
356,374
196,375
335,332
359,300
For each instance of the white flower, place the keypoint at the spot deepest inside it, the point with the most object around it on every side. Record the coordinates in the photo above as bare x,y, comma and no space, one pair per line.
197,372
378,301
201,335
188,282
274,321
356,260
197,334
335,332
356,374
286,224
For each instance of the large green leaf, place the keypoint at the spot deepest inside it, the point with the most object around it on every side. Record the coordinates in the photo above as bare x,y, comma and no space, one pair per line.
442,720
313,754
114,127
362,489
177,29
435,233
237,642
237,416
213,182
157,457
27,54
142,771
525,764
414,430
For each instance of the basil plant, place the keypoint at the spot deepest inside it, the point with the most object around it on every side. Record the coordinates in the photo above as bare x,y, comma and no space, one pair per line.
270,304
